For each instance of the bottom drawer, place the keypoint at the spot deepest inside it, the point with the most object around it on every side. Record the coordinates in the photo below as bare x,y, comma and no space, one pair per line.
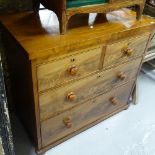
68,122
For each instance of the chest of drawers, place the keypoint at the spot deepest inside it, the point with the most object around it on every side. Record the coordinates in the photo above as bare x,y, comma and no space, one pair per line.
65,84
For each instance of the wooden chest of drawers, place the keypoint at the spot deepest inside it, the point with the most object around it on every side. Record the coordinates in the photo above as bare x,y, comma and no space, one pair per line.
65,84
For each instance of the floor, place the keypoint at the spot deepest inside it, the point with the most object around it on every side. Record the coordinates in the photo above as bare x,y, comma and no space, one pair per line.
131,132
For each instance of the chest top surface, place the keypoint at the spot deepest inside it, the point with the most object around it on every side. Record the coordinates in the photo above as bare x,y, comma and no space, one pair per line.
39,33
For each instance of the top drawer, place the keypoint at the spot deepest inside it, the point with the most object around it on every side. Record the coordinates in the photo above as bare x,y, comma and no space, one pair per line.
68,68
125,50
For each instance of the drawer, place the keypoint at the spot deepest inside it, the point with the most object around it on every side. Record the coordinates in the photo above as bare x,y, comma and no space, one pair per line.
125,50
66,69
72,120
68,96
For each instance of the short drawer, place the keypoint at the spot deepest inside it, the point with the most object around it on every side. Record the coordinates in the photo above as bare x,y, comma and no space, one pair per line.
71,121
68,96
125,50
62,70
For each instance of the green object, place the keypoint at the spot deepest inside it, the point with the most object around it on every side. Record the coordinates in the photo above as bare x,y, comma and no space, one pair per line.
78,3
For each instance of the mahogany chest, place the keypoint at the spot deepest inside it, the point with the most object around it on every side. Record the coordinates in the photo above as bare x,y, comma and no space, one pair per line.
64,84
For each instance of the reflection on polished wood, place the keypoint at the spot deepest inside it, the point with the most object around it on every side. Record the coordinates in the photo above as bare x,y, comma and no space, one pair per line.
64,84
32,30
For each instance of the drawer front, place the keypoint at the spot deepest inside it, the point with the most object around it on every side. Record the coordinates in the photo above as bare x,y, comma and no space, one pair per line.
68,96
63,70
125,50
68,122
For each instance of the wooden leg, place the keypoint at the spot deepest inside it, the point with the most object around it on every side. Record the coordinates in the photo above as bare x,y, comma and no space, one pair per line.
63,22
63,26
139,11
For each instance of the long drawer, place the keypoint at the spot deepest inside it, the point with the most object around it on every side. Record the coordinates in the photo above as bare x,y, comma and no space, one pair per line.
70,95
74,119
68,68
125,50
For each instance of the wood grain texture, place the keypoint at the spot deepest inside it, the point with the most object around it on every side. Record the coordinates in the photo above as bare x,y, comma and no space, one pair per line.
117,52
55,101
54,128
41,40
37,51
64,13
58,71
44,149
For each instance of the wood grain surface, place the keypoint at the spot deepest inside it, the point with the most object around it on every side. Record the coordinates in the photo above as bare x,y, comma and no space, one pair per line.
41,40
55,129
64,13
99,66
118,52
62,70
56,101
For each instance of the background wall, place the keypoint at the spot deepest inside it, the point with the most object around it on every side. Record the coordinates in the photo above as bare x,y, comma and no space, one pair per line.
15,5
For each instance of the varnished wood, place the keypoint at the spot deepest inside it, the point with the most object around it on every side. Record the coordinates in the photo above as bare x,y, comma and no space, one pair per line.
71,96
31,30
44,149
64,13
73,70
54,128
122,75
114,101
67,122
56,101
97,64
126,49
53,73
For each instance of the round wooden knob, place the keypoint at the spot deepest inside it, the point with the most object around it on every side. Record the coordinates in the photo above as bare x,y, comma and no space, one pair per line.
121,76
67,122
128,51
73,70
71,96
113,100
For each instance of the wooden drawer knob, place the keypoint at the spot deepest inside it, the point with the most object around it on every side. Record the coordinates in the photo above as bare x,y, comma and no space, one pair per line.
71,96
121,76
73,70
67,122
114,101
128,51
